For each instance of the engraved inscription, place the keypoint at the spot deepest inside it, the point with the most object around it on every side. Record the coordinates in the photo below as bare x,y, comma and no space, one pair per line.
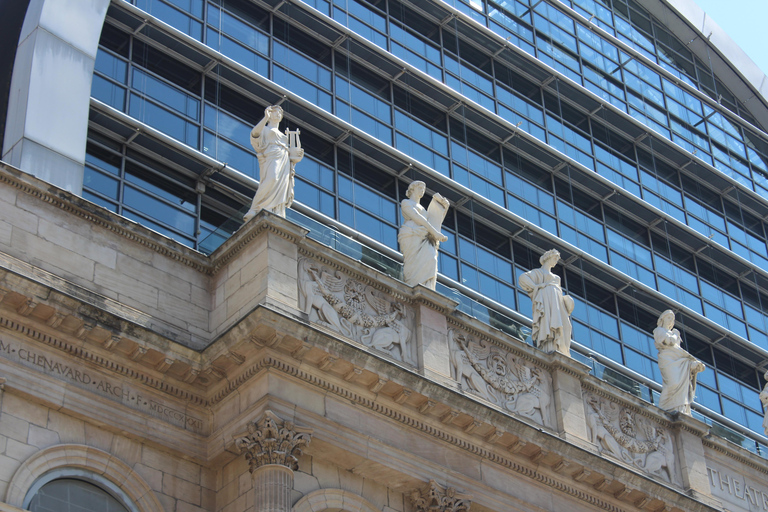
96,383
737,490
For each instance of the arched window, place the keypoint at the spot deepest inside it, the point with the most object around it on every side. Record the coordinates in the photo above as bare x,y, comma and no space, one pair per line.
73,495
79,478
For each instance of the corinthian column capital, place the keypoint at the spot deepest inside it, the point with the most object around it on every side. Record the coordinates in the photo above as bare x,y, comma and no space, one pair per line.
271,440
436,498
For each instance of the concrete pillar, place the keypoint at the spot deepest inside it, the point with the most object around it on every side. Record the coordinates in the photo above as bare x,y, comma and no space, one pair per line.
272,447
570,416
47,119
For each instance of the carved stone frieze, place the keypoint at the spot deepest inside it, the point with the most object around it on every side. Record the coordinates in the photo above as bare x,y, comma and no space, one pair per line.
356,310
436,498
631,438
501,378
271,440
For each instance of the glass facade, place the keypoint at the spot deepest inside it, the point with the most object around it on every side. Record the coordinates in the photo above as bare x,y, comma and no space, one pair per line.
584,125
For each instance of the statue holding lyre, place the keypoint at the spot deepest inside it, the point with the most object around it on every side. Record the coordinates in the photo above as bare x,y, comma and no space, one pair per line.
278,155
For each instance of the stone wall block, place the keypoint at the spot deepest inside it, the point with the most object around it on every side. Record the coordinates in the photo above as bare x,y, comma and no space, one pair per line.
52,257
432,342
690,453
571,418
64,234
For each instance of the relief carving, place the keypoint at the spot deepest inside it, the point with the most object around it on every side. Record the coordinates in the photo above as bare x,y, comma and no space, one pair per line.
356,310
635,440
435,498
499,377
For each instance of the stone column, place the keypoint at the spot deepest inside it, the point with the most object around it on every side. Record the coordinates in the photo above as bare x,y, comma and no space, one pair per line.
272,447
436,498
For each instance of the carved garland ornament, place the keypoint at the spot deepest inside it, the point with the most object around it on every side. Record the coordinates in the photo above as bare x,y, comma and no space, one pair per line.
436,498
355,309
272,441
635,440
501,378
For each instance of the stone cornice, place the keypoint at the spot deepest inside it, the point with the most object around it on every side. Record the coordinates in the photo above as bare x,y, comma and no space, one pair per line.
82,352
102,217
690,424
455,436
593,385
353,268
434,300
384,405
263,222
736,453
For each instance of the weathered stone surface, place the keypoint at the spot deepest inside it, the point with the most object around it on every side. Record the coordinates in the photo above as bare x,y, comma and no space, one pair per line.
132,353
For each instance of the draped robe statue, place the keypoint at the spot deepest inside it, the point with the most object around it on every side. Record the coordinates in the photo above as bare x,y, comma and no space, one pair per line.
551,309
278,154
678,367
419,236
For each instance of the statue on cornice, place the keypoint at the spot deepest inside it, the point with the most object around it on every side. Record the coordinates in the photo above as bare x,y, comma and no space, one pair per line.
419,236
278,155
551,308
678,367
764,400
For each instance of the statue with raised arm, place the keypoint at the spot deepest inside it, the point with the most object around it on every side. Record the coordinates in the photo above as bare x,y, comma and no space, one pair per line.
551,309
419,236
278,155
678,367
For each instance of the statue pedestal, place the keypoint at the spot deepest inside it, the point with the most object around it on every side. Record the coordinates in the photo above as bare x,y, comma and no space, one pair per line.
570,415
690,453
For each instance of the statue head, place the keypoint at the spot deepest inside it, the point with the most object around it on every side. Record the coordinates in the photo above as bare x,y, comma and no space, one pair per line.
552,254
416,188
275,111
667,318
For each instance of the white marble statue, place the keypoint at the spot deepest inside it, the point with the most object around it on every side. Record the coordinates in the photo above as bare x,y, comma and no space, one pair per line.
678,367
278,155
764,400
551,308
419,236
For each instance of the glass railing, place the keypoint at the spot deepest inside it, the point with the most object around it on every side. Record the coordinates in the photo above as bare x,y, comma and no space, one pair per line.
328,236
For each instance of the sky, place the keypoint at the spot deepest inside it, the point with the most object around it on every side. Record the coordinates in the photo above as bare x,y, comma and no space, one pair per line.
746,22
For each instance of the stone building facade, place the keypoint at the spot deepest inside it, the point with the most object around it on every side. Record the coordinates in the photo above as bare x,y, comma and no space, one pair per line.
279,374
